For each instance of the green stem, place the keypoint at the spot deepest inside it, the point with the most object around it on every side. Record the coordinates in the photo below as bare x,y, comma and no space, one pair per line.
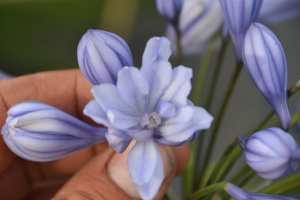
221,162
213,84
208,190
228,164
283,186
188,176
198,155
248,178
201,76
179,50
237,176
221,113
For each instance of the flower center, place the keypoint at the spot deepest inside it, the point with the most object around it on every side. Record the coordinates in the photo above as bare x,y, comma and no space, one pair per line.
151,120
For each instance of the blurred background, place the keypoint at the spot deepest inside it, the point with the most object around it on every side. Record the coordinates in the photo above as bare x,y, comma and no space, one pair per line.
42,35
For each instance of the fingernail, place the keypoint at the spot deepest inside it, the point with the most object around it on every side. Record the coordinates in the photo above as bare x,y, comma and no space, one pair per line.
118,170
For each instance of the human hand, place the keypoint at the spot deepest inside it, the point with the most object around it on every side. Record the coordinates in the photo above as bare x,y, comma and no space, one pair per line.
94,173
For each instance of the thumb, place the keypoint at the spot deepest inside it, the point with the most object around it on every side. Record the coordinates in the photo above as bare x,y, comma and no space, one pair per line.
106,176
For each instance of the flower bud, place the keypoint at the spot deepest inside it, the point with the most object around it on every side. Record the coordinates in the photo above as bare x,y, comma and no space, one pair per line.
198,22
101,55
240,194
276,11
265,61
39,132
170,9
238,15
272,153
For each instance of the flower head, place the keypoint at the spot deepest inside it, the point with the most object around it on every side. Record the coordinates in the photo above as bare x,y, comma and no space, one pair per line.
170,9
101,55
39,132
240,194
198,22
272,153
149,105
265,61
238,15
276,11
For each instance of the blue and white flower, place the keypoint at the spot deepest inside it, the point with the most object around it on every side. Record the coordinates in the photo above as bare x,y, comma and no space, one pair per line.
38,132
150,106
238,15
101,55
266,63
272,153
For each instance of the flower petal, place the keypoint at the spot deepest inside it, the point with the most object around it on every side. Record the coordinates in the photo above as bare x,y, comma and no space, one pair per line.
95,111
179,87
28,106
150,189
141,135
158,74
133,89
180,131
155,46
118,113
142,161
118,140
167,110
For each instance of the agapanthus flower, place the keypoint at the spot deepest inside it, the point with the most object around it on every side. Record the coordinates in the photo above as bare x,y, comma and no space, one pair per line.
240,194
238,15
198,22
150,106
101,55
38,132
276,11
272,153
265,61
170,9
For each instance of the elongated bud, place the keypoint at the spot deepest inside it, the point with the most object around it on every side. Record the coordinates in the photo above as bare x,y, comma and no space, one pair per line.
276,11
39,132
265,61
199,21
170,9
238,15
101,55
240,194
272,153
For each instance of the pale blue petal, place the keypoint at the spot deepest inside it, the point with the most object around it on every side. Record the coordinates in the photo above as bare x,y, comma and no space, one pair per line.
56,122
158,74
133,89
150,189
155,46
118,140
193,119
28,106
179,87
118,113
167,110
141,135
122,120
142,161
96,113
